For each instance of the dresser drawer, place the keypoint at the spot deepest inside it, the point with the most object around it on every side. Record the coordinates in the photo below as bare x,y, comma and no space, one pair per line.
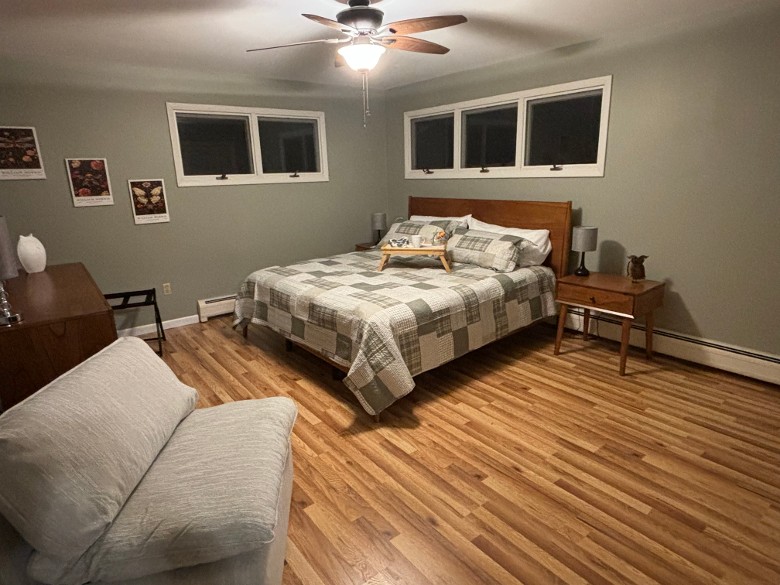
598,299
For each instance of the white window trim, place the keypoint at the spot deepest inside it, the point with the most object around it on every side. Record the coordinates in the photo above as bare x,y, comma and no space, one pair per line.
519,170
258,177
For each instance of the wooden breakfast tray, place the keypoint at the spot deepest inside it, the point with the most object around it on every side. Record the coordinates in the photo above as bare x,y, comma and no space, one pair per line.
437,251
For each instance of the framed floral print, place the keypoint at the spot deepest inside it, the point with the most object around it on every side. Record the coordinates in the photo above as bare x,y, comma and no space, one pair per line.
150,204
20,155
89,182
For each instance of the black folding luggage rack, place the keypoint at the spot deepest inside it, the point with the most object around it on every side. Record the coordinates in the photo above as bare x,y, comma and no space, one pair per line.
149,300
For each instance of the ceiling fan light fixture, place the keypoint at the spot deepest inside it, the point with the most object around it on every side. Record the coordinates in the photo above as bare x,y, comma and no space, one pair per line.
362,56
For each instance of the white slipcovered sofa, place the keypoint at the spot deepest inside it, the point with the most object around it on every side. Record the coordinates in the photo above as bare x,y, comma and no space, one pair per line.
109,475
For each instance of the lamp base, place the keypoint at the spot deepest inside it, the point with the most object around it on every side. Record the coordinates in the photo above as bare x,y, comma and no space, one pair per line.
7,315
581,270
11,319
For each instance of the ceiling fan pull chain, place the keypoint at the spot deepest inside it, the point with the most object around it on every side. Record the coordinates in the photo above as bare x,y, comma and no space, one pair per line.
366,110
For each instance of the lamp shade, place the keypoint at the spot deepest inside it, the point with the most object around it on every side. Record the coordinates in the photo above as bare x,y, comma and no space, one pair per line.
378,221
363,56
8,266
584,238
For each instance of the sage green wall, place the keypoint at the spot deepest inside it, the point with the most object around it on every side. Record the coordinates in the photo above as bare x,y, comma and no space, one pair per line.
217,235
692,170
691,179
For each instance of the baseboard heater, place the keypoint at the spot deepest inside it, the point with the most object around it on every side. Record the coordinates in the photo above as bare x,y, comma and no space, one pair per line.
215,306
680,337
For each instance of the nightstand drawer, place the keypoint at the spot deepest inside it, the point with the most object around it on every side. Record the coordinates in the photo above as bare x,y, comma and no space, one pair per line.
598,299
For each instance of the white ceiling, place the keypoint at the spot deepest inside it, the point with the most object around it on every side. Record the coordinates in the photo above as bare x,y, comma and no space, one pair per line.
139,41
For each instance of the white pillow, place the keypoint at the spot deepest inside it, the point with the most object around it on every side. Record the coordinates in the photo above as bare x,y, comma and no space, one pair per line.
539,238
462,221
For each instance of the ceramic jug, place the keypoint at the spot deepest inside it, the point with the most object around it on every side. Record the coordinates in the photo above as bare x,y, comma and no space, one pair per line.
31,254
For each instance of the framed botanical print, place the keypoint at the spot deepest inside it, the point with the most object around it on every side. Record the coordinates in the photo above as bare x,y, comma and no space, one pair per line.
89,182
150,203
20,155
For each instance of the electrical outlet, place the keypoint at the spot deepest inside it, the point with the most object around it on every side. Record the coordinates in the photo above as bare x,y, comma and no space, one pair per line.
167,288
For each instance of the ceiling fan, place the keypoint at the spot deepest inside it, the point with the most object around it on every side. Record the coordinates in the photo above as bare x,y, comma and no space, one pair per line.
366,38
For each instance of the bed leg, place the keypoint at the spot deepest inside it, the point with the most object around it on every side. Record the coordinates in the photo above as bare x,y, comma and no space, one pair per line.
245,331
377,418
288,345
336,374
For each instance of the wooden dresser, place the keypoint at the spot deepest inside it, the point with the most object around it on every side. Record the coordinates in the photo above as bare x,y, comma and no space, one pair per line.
66,320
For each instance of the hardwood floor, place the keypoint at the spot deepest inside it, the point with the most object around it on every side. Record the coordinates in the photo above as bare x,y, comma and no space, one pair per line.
512,466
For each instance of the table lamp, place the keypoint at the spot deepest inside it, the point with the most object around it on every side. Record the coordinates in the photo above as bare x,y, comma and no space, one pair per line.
378,223
584,239
8,269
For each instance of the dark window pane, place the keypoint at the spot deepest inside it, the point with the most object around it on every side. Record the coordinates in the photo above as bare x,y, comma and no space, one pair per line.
288,146
213,145
432,142
490,137
564,130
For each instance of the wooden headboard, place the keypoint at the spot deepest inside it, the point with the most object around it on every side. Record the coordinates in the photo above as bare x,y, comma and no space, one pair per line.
554,216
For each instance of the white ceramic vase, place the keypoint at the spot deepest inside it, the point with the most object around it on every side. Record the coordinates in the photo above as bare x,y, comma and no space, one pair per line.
31,254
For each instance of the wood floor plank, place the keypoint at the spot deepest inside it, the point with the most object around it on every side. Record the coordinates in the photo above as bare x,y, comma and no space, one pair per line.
511,466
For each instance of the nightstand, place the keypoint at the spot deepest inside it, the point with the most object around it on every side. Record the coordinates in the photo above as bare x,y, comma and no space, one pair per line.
614,295
363,247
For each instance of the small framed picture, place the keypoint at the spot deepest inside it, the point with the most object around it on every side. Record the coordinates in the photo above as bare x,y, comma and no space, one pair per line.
150,204
20,155
89,182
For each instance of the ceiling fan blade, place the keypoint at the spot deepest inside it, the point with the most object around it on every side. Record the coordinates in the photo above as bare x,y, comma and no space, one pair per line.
332,24
417,25
326,41
412,44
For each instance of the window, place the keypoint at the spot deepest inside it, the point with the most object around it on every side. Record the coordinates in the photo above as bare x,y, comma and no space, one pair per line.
490,137
556,131
432,144
288,146
214,145
563,130
222,145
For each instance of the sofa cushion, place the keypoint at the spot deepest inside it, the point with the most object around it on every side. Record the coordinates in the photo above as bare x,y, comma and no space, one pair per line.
212,493
71,454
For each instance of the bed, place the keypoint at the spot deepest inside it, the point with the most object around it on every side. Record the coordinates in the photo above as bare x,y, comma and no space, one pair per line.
384,328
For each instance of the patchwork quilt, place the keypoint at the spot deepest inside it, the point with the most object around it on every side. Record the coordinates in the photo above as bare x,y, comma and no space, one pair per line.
389,326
